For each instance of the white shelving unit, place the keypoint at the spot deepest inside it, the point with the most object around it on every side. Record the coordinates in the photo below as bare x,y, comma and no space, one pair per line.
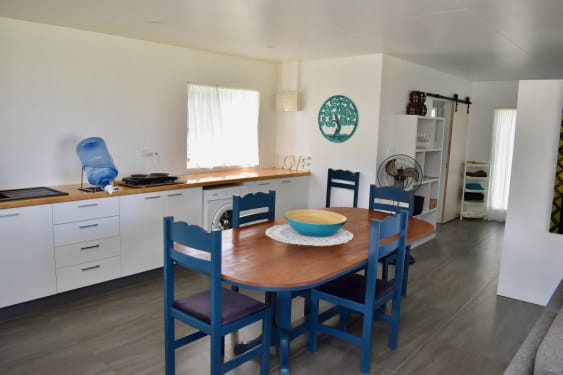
475,184
422,138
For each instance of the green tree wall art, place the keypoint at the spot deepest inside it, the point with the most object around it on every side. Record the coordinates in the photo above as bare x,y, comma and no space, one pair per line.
338,118
556,224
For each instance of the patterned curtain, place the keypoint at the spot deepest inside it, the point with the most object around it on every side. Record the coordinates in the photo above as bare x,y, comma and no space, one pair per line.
556,225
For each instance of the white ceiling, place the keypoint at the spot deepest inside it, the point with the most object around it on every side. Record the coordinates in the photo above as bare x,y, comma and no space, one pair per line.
475,39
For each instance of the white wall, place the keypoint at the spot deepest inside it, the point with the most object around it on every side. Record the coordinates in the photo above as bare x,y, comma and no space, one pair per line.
60,85
486,97
358,78
532,258
400,77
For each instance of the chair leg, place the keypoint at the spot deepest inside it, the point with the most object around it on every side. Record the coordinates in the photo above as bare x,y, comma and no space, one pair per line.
307,304
406,271
344,314
385,269
313,321
169,351
365,355
216,360
266,340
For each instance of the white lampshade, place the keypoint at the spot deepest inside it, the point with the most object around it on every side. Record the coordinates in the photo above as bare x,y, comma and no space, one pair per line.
288,101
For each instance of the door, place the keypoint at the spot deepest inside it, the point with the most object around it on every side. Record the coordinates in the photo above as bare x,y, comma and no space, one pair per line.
451,205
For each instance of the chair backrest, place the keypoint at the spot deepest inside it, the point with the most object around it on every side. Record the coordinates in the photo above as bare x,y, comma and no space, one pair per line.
254,207
206,260
339,178
391,199
386,236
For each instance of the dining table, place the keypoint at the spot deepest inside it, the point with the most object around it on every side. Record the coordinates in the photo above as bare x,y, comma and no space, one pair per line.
253,260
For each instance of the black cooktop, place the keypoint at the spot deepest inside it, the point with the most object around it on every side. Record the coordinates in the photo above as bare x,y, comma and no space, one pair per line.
151,179
29,193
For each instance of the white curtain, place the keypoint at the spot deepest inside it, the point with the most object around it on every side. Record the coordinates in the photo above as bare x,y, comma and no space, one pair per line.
222,127
501,163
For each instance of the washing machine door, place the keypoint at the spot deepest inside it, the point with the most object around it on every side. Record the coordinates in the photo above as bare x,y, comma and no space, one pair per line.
223,217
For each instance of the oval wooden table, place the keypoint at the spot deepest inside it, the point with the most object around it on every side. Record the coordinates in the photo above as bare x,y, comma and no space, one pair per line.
252,260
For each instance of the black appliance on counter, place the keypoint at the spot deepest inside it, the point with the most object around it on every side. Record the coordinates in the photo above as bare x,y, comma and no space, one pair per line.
29,193
151,179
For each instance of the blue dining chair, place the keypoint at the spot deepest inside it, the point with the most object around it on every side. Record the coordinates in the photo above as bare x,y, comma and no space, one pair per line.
365,293
392,199
254,208
338,178
215,312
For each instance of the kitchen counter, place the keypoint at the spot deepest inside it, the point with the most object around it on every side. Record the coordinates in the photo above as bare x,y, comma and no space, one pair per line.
188,180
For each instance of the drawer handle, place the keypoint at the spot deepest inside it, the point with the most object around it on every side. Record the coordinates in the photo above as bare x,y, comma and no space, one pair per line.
91,267
154,197
90,247
10,214
88,226
175,195
286,181
264,184
87,205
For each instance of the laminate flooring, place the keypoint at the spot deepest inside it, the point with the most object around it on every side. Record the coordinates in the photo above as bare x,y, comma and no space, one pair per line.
452,322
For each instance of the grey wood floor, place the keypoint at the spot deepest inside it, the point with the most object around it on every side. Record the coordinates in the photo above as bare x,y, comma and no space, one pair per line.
452,322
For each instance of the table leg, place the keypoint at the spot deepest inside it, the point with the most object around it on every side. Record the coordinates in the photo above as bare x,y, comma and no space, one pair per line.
284,329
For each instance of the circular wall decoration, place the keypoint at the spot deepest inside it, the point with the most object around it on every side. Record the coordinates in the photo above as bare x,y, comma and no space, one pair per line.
338,118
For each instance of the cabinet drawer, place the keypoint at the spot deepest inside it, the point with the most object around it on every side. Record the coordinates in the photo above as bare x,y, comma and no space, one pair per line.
87,251
73,277
69,212
88,230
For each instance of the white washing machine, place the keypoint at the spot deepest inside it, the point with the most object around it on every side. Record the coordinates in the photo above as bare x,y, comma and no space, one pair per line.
218,206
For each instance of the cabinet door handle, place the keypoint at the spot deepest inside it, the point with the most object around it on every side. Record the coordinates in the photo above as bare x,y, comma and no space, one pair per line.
90,247
175,195
88,226
153,197
12,214
91,267
87,205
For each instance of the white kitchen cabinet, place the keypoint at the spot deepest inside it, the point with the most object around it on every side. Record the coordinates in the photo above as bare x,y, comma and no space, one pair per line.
27,259
141,224
86,237
184,204
263,186
292,193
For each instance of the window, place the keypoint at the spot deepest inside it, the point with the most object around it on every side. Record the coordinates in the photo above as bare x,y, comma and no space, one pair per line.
501,162
222,127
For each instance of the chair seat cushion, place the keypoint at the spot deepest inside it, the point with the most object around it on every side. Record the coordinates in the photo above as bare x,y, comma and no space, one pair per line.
234,306
352,286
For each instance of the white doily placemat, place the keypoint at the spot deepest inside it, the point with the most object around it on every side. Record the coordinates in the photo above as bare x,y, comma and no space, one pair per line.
284,233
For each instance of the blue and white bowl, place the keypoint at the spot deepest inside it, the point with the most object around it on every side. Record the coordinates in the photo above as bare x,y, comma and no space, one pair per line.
318,223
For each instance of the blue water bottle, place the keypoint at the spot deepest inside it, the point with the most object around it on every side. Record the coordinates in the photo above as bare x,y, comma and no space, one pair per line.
96,161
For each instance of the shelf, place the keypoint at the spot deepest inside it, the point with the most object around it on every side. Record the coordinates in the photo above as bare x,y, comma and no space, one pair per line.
474,215
475,209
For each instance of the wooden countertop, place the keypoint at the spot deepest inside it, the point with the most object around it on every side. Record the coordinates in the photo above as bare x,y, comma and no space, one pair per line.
188,181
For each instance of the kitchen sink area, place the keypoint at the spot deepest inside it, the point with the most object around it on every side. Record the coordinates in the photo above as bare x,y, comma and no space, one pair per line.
29,193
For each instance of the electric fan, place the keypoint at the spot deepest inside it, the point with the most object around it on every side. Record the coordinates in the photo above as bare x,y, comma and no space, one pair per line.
400,171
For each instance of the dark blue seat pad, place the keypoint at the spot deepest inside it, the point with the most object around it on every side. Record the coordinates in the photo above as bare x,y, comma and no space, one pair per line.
352,286
234,306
